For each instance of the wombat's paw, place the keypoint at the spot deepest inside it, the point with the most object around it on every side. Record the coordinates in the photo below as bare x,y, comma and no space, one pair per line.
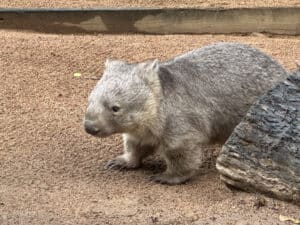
120,163
169,179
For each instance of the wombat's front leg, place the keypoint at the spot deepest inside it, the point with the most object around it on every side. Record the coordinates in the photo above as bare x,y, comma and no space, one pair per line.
182,164
133,154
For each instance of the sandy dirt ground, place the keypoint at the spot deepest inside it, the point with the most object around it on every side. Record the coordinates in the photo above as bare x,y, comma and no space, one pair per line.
149,3
51,172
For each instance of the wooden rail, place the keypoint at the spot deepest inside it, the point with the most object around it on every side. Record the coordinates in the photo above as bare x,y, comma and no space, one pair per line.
154,21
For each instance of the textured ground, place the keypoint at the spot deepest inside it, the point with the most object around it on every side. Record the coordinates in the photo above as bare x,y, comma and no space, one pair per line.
149,3
51,172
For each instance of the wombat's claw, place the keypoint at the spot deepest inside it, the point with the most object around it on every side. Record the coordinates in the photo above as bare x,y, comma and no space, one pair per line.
157,179
162,179
114,165
119,164
168,179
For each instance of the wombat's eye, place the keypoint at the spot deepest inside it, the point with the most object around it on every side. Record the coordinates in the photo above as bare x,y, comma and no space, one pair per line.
115,108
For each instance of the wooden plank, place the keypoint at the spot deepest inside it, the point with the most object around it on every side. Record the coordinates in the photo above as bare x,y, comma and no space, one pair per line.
154,21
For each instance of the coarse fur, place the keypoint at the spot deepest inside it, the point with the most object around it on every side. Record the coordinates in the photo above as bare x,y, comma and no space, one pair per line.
177,106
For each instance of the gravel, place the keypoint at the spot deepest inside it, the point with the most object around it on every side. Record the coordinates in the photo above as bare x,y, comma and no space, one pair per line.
51,172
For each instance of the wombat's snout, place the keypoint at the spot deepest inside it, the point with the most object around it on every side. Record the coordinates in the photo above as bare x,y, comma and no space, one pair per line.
97,126
90,127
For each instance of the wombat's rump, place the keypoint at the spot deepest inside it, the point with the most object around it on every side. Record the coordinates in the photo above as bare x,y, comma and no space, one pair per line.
174,107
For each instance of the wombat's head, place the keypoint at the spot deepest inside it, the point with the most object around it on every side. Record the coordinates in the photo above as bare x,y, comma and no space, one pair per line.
121,98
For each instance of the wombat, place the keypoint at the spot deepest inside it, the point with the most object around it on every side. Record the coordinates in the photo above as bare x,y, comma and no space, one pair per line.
177,106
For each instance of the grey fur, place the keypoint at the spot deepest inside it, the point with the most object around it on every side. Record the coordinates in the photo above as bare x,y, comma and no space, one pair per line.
175,107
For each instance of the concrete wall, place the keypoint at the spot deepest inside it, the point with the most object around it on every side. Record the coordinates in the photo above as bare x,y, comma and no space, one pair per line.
154,21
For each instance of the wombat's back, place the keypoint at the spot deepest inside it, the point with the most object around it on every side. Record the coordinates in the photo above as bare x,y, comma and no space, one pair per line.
223,65
218,83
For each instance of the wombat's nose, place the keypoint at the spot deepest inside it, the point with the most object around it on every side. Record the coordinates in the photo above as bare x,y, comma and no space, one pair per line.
90,128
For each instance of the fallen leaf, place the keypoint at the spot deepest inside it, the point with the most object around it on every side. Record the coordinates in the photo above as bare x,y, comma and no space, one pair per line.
285,218
77,74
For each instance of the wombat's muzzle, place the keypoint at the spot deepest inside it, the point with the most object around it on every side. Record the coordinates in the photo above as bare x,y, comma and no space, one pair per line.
90,127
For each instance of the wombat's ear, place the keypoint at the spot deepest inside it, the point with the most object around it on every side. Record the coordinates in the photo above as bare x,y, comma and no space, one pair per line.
149,71
298,63
108,62
150,66
114,62
154,65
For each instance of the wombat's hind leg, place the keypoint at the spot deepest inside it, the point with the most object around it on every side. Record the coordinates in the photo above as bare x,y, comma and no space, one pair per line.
172,179
181,167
